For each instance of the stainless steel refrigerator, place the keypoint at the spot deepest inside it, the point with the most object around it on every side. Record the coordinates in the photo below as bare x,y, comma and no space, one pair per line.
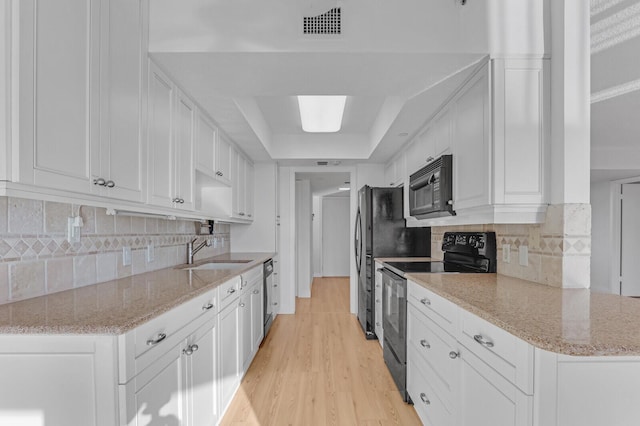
381,232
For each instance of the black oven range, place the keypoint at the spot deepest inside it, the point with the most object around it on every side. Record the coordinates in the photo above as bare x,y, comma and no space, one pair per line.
464,252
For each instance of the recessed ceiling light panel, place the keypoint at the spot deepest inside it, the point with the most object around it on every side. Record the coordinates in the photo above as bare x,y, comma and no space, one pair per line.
321,114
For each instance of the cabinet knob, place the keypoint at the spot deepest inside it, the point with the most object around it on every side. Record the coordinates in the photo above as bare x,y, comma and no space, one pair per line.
231,291
425,301
425,344
250,215
429,159
176,200
275,303
181,200
207,306
378,301
255,291
453,354
424,399
99,182
480,339
241,305
378,324
190,349
275,285
158,339
109,184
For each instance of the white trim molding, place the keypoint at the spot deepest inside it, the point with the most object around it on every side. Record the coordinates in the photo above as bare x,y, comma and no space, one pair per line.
615,29
615,91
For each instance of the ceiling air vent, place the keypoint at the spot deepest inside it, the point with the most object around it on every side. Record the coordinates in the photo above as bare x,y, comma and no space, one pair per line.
322,163
328,23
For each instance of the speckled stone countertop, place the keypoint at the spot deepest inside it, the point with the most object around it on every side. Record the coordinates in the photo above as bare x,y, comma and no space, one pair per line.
115,307
566,321
403,259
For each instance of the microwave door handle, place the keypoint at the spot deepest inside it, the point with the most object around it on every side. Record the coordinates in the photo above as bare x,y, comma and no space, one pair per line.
421,182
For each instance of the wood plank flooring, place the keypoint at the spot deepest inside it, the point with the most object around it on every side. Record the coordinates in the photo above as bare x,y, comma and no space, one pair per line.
316,368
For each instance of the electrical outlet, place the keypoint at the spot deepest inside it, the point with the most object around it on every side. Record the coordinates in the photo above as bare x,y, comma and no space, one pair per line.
523,254
126,256
74,229
506,253
151,253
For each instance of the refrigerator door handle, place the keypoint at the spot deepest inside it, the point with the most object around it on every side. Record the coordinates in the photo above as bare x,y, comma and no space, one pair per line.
357,241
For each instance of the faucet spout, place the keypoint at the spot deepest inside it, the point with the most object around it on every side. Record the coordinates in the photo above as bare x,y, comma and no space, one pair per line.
191,251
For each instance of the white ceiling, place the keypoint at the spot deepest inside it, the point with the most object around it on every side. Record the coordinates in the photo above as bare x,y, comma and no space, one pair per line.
244,63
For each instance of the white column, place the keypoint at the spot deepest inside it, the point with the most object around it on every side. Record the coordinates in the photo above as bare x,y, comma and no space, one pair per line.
570,212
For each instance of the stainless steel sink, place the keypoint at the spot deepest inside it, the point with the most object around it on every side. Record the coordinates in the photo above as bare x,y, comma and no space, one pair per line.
217,265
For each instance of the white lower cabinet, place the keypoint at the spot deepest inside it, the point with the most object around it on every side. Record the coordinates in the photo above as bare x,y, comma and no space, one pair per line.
465,371
181,368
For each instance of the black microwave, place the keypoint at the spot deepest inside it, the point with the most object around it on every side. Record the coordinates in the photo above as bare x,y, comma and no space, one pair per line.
431,189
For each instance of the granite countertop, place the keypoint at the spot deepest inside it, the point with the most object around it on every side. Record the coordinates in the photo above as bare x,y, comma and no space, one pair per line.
115,307
567,321
404,259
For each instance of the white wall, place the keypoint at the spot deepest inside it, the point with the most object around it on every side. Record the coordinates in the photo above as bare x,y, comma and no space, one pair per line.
304,239
601,238
336,237
317,236
260,235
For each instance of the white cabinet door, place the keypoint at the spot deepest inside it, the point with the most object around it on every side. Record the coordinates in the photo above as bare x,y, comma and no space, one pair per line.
206,136
59,92
161,159
229,352
249,190
275,293
471,165
224,160
119,158
488,399
441,133
159,395
421,151
184,168
201,377
257,316
246,340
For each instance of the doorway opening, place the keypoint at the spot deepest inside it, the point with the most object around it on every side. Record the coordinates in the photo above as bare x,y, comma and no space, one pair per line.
323,227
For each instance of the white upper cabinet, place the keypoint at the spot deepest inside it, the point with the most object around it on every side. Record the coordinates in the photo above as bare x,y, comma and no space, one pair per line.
59,92
81,80
497,129
171,140
394,171
223,160
242,186
206,142
160,131
119,159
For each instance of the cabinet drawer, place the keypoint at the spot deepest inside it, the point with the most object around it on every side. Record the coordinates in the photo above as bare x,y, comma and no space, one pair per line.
438,309
436,353
251,276
504,352
427,401
229,291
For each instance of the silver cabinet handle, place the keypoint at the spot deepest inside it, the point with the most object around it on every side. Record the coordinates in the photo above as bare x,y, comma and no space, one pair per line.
378,324
275,285
241,213
241,305
181,200
380,269
109,184
480,339
425,344
424,399
275,303
378,301
176,200
429,159
207,306
231,290
160,338
453,354
425,301
250,215
255,291
190,349
99,182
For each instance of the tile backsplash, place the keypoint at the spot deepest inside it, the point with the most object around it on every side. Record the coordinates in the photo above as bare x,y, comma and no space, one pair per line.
37,259
559,250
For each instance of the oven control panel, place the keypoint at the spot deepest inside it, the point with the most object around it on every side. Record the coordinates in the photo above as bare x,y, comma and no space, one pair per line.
477,243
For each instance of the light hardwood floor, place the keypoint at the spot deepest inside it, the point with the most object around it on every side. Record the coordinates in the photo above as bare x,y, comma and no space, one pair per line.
316,368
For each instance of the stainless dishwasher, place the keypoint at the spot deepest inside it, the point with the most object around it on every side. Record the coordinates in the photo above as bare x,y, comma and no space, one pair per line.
268,295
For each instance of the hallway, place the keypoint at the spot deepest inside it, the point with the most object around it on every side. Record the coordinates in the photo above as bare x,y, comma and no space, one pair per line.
316,368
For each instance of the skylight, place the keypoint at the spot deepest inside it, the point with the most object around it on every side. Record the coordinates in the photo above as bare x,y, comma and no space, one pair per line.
321,114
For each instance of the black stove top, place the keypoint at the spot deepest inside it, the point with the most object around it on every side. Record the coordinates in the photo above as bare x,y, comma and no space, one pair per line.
427,267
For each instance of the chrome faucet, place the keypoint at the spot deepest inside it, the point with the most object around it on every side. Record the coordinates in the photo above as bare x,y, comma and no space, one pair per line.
192,251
